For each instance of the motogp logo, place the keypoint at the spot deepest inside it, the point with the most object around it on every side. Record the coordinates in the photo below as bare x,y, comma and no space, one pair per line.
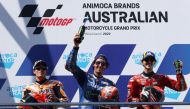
45,20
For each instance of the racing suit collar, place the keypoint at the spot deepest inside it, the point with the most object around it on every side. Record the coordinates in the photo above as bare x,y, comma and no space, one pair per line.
41,82
150,74
97,76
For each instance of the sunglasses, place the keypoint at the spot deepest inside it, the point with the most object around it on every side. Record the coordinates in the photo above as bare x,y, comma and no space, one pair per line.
40,68
149,59
100,62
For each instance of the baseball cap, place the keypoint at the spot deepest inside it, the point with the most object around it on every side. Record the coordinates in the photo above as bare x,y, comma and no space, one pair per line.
40,64
148,54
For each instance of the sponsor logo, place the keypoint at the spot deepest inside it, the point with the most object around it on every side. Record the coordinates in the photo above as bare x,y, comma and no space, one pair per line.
124,16
169,93
7,60
16,91
83,59
45,20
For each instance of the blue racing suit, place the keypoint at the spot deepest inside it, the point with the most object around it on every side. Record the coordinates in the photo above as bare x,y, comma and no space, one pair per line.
90,85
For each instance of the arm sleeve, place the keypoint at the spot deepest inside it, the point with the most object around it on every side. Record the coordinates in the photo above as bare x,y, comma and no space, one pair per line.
24,95
71,66
25,92
179,85
133,92
71,61
60,93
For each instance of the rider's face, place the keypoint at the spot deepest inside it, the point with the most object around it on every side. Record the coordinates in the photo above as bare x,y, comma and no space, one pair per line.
99,66
40,72
148,63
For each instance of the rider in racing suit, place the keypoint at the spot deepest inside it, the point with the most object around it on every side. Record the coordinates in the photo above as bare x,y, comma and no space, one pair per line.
137,91
90,84
43,90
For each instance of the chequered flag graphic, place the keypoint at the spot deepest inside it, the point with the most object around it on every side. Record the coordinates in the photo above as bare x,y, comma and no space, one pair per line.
28,11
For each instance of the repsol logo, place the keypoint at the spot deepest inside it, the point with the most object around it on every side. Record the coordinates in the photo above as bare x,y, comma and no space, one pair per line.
45,20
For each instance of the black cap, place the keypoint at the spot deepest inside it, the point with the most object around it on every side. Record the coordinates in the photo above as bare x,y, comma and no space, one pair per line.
148,54
40,64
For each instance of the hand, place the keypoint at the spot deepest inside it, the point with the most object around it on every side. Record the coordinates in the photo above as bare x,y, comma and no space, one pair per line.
77,40
144,95
52,98
178,64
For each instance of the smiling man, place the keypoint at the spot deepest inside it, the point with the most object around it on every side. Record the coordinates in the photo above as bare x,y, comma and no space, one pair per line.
149,86
43,89
90,84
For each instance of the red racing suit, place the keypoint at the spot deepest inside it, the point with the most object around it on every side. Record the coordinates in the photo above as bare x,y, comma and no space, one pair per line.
46,91
137,82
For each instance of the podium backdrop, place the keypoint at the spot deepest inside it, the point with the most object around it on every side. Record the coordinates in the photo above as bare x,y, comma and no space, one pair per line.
120,29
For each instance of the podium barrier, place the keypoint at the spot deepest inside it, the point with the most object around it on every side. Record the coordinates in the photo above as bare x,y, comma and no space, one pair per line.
122,104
